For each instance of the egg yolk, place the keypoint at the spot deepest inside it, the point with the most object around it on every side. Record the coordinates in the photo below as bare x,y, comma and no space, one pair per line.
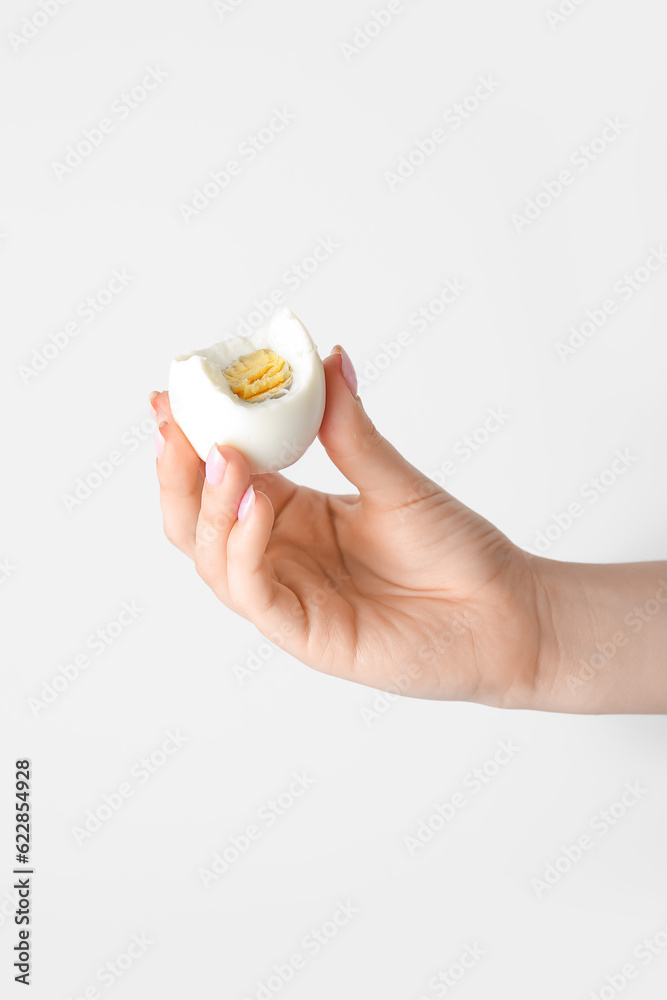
260,375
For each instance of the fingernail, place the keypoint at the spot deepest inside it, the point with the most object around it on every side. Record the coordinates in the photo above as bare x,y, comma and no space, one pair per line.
247,503
347,367
158,440
215,467
151,400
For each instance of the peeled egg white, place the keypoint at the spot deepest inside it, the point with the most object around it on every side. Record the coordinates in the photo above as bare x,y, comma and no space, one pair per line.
272,433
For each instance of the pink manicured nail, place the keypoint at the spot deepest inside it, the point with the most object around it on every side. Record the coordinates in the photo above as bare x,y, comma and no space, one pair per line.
151,400
215,467
159,441
347,367
247,503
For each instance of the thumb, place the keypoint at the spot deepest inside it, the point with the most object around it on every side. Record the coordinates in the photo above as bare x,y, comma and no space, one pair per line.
357,448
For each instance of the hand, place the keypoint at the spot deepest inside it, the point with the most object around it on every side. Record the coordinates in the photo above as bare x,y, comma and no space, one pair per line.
400,586
403,588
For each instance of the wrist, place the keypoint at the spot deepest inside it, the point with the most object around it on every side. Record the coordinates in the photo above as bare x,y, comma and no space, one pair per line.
555,599
601,637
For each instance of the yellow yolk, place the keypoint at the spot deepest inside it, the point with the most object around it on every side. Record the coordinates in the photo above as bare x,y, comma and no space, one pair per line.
260,375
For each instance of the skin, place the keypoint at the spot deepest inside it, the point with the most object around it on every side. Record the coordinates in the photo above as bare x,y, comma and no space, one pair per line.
401,587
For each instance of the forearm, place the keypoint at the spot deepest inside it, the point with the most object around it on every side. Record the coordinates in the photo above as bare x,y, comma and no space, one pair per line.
603,647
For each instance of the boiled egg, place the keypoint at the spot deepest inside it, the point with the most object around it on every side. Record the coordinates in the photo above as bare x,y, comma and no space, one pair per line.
264,394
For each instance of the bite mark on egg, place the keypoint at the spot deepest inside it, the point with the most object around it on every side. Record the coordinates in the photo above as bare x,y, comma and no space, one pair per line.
279,367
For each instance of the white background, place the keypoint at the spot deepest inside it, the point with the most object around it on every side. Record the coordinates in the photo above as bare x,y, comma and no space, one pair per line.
173,668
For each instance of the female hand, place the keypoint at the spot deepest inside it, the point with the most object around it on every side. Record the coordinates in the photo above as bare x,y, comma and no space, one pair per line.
398,586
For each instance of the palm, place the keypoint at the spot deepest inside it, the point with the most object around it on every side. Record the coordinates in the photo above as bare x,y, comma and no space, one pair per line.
418,595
